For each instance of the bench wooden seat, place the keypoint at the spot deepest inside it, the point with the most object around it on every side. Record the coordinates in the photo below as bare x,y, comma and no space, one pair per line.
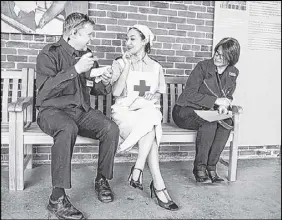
34,135
21,132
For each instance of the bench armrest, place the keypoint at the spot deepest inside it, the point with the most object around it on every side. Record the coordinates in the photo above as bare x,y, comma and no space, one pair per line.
20,104
236,109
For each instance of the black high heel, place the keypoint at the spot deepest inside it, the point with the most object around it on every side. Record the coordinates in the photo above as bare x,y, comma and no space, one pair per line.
135,183
170,205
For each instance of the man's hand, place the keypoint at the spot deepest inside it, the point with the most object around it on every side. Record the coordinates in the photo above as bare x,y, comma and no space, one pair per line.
85,63
222,109
107,76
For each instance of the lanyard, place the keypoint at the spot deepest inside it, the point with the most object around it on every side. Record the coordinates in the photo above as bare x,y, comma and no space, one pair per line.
219,83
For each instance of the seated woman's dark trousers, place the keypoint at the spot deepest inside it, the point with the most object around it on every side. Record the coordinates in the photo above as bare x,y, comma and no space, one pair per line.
211,136
64,125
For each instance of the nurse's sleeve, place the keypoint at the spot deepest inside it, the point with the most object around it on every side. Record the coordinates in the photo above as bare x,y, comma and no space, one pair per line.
117,70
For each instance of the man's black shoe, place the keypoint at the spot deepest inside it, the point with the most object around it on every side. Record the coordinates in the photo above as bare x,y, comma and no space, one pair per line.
63,209
103,190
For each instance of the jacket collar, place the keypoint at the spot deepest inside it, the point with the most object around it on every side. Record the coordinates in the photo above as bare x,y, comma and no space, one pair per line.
70,50
211,67
225,79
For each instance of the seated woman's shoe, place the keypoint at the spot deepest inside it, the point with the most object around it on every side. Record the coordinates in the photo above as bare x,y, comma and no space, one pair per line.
201,176
135,183
214,177
170,205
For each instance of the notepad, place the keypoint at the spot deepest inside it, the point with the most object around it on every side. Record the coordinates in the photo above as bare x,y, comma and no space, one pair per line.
98,71
212,115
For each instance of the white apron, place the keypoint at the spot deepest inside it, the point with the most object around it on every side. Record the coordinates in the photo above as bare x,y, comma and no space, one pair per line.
135,115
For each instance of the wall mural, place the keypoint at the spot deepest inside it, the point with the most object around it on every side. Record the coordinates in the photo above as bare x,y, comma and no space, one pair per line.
38,17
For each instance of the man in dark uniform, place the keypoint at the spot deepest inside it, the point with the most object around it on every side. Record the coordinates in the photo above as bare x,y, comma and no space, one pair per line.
210,86
64,87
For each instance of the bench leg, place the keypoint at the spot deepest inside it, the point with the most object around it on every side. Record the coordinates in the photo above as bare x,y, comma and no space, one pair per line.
29,152
233,154
19,153
233,157
12,151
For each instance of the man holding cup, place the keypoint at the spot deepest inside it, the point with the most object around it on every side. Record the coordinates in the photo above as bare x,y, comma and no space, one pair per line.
64,85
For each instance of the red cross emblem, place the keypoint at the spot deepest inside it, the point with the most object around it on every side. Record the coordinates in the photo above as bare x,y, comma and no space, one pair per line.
141,88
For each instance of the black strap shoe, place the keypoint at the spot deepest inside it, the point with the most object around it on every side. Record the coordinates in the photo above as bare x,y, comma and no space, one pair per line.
214,177
135,183
170,205
103,190
63,209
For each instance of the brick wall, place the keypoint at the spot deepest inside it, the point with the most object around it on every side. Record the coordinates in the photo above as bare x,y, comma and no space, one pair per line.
184,33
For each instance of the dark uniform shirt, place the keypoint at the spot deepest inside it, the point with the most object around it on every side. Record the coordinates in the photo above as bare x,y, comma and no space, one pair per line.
58,84
204,85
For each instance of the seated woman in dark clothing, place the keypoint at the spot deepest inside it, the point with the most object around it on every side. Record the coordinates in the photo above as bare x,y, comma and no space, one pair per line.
210,86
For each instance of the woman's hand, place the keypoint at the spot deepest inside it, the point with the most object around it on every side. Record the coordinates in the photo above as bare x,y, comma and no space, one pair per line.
126,56
150,96
223,101
222,109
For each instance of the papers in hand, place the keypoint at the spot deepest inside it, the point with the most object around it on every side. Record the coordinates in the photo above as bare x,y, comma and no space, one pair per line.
98,71
212,115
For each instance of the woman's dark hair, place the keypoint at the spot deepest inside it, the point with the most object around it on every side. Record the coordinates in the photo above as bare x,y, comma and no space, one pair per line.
147,46
230,50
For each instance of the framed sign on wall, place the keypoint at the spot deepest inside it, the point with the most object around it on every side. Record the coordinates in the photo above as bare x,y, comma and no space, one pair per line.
38,17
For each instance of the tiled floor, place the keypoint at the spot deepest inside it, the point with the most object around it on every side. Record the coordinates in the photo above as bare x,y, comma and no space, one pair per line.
256,193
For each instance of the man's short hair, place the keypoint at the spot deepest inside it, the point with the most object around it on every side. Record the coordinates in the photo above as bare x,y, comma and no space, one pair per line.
230,49
76,21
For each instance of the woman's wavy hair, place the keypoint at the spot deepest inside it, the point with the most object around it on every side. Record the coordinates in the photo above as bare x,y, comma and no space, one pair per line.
230,49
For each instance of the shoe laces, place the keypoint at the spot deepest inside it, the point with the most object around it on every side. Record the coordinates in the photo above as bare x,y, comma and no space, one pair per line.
104,184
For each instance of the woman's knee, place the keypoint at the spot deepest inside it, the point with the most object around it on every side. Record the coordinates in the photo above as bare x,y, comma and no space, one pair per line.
210,125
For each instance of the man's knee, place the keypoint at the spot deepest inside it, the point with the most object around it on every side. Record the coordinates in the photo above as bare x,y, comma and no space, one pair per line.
70,130
112,128
110,131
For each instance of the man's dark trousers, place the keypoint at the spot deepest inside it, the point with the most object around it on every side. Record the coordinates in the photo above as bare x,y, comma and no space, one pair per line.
64,125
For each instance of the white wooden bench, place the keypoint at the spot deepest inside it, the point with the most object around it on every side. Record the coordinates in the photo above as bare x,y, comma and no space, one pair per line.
22,133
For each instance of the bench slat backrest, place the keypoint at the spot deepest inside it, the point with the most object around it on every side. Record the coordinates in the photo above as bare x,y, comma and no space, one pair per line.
15,84
25,78
175,86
